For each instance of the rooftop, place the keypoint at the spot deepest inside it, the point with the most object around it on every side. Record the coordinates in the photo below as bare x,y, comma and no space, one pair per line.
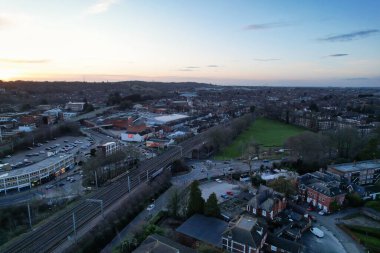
363,165
202,228
160,244
36,166
169,118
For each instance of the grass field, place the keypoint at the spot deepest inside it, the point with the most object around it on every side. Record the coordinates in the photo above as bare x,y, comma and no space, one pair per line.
369,237
266,132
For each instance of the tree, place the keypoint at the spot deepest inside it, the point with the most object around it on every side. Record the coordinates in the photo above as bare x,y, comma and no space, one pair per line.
353,200
211,206
173,204
334,206
196,202
283,185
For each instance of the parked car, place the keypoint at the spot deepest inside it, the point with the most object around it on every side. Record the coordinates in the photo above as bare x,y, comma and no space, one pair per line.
321,212
150,207
218,180
316,231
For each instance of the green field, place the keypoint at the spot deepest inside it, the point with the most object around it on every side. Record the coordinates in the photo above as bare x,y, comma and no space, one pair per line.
369,237
266,132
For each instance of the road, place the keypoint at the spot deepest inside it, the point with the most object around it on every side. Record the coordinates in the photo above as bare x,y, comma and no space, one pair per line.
329,221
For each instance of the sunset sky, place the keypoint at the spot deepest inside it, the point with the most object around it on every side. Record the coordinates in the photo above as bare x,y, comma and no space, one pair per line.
216,41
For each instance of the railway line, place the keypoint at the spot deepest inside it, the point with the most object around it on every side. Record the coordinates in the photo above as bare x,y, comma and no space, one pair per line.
46,237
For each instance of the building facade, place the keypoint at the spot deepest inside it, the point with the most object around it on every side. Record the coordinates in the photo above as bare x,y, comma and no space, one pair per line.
360,173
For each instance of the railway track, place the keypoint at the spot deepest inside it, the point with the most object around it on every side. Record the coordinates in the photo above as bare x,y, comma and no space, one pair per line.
47,237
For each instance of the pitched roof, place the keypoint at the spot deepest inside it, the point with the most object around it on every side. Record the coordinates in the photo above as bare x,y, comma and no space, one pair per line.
282,243
202,228
246,231
160,244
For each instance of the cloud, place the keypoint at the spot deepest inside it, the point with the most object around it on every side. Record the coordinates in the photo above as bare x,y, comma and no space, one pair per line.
350,36
338,55
357,79
186,69
100,6
213,66
266,59
265,26
192,67
23,61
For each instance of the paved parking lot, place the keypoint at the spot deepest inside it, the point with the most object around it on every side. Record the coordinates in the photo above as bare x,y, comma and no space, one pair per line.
219,189
39,153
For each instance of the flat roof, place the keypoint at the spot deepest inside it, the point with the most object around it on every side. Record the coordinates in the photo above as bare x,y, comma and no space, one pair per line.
36,166
171,117
363,165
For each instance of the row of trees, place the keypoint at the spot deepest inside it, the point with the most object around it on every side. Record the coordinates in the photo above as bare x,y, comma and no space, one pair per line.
221,137
197,204
315,150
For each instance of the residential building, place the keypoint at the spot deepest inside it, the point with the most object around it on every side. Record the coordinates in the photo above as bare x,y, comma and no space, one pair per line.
361,173
266,203
320,190
245,236
160,244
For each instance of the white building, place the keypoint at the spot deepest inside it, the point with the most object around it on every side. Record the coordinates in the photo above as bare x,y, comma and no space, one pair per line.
132,137
75,106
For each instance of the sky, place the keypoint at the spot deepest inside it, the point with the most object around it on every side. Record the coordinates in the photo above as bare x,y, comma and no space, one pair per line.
227,42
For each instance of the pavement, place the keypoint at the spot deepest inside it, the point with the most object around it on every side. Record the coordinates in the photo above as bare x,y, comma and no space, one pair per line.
140,220
328,222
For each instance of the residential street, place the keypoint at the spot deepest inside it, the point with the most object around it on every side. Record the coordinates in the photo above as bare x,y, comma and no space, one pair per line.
329,221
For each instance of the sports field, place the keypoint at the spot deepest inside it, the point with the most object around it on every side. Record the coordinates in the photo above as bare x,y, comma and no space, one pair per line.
266,132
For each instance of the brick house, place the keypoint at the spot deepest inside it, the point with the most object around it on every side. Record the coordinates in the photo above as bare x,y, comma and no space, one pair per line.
244,236
320,190
266,203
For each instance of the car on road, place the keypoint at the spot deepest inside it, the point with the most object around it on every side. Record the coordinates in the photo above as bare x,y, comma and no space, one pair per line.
230,193
150,207
8,156
218,180
316,231
321,213
49,186
61,184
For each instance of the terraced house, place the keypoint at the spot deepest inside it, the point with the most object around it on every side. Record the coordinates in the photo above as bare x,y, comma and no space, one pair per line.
320,190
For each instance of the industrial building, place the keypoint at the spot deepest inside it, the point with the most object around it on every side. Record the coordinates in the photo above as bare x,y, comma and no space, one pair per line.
35,174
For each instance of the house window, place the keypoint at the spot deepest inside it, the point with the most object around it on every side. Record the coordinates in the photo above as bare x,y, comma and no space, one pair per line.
254,210
264,213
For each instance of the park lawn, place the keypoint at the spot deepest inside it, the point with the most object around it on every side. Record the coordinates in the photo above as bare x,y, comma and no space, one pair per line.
374,204
266,132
